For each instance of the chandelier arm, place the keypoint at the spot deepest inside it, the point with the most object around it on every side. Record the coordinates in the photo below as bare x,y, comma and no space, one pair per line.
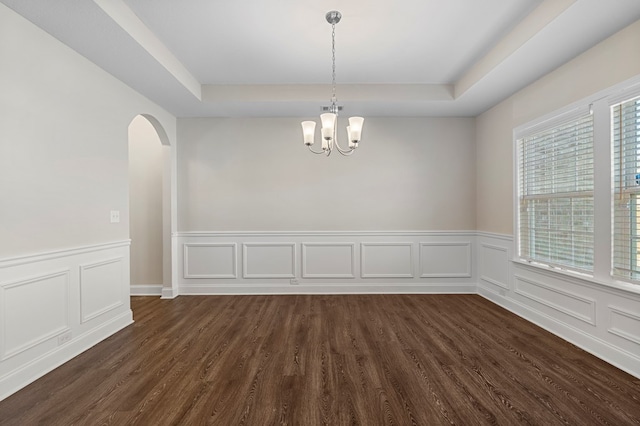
316,152
346,153
343,151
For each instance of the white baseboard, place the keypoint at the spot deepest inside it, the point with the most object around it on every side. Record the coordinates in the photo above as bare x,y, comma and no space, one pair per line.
331,288
146,290
169,293
28,373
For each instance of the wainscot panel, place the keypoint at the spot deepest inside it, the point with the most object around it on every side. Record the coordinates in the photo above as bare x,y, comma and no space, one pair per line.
554,297
34,310
387,260
621,319
493,265
268,260
445,259
624,324
328,260
98,294
210,260
58,304
331,262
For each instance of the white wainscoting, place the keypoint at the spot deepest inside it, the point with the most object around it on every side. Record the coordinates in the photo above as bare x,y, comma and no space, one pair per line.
58,304
326,262
601,319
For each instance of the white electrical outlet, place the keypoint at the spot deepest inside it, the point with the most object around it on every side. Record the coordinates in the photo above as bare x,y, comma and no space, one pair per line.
294,281
64,338
115,216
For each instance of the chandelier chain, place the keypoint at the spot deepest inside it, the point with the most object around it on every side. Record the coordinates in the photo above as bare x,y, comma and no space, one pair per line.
333,58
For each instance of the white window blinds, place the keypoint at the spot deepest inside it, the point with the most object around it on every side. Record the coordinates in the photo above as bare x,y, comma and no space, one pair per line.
625,123
556,195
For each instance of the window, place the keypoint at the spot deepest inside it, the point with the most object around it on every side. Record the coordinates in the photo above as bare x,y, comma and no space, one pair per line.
625,138
578,188
556,194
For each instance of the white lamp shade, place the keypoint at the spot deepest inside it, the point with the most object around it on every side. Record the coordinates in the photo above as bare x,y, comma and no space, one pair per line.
355,123
328,120
308,131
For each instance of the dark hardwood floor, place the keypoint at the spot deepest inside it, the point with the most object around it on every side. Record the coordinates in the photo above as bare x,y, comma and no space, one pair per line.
334,360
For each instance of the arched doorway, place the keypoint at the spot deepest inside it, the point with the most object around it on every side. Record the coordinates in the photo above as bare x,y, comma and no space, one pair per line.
151,208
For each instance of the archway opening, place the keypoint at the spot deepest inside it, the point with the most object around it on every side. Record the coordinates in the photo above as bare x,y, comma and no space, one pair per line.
149,206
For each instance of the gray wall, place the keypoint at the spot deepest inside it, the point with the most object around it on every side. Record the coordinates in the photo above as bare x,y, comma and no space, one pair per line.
614,60
256,175
63,143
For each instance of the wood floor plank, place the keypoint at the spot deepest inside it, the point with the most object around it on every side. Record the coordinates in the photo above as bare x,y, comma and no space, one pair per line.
329,360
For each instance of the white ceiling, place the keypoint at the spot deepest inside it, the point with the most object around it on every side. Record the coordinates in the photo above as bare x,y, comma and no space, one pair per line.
273,58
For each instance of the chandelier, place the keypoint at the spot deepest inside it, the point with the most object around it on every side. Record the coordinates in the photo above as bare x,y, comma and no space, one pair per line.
329,120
